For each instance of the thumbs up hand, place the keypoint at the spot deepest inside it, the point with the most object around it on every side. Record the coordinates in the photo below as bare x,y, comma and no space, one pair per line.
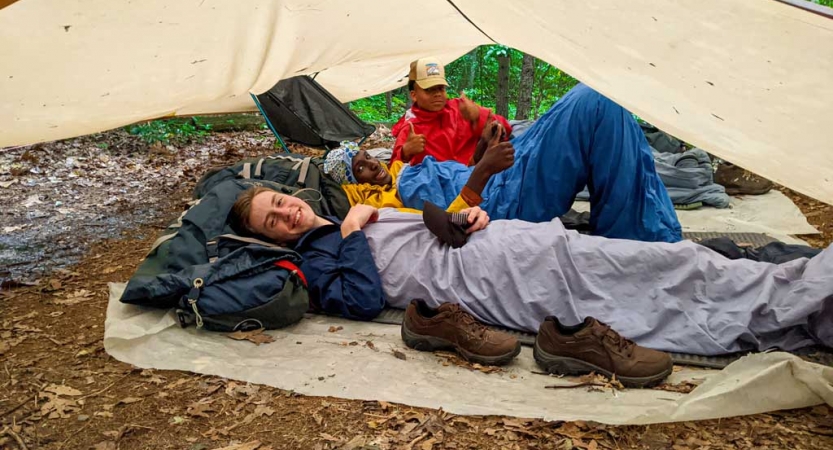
469,109
414,145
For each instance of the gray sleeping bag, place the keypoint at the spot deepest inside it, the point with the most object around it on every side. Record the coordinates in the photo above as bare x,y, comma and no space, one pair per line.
679,297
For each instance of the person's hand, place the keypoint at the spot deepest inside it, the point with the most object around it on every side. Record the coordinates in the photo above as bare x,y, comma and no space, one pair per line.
357,218
469,109
498,156
491,129
478,219
414,145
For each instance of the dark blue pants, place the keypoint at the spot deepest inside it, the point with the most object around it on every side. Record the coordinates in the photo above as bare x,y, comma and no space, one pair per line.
584,139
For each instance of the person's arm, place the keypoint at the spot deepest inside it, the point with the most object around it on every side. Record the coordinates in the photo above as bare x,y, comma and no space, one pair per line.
349,284
396,154
497,157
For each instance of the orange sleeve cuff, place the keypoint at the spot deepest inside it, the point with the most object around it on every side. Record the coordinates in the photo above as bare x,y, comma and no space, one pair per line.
470,197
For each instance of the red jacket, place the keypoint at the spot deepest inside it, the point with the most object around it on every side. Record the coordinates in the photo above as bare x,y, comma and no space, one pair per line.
448,136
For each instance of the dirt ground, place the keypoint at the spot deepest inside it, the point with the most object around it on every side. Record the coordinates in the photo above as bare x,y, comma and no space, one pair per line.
60,390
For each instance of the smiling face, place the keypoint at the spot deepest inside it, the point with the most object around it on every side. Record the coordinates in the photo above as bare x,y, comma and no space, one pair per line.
431,99
279,217
368,169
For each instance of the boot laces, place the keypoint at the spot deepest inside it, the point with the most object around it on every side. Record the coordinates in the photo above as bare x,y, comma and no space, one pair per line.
468,322
622,344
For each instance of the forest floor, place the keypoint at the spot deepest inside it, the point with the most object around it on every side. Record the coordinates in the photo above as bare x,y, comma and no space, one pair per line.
79,213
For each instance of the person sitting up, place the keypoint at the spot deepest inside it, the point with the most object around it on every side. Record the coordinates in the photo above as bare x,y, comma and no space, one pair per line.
679,297
434,125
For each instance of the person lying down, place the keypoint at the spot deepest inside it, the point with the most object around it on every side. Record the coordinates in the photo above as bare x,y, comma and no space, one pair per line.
679,297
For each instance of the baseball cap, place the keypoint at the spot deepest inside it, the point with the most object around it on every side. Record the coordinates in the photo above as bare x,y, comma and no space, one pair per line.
427,72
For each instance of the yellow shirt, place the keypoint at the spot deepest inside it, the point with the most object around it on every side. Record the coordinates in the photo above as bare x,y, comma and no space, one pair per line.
387,196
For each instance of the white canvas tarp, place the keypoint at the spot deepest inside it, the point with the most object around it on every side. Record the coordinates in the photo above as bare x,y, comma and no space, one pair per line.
309,359
748,80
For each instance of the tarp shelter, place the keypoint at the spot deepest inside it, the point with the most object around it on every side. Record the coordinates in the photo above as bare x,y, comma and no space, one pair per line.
300,109
748,80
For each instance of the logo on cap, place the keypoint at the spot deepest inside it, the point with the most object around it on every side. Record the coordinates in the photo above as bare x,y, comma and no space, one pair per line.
432,69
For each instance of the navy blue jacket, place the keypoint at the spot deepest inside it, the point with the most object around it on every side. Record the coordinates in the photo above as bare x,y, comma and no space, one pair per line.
341,274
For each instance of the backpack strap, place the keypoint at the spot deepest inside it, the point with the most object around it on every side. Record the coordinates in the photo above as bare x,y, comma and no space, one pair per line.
246,172
213,252
259,168
302,177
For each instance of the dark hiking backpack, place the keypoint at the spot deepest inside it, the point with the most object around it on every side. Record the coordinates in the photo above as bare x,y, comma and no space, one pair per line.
217,279
286,169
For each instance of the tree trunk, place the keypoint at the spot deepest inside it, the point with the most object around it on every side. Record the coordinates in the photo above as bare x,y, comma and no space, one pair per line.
407,93
525,94
541,91
389,102
502,96
469,72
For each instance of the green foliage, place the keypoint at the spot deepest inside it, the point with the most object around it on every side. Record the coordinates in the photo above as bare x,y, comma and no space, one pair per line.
170,131
374,109
476,74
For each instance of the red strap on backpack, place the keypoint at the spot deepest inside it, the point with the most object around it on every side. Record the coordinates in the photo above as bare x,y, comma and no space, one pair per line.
284,264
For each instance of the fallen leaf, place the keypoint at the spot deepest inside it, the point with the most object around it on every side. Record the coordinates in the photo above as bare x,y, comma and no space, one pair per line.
369,344
14,228
428,444
74,298
253,445
334,328
128,400
384,405
178,383
178,420
5,184
56,407
32,200
263,410
62,390
233,389
355,443
593,445
200,408
514,423
399,355
255,336
111,269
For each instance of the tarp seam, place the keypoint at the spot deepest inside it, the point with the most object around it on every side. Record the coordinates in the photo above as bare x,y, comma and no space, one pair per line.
471,22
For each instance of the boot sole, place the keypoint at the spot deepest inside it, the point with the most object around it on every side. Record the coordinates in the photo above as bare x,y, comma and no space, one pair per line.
563,365
425,343
734,191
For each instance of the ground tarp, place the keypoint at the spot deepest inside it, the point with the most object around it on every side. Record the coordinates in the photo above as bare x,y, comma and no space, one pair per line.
772,213
747,80
315,357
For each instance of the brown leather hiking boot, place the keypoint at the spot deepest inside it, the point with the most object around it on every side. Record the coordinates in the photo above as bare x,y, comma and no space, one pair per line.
450,328
738,181
594,347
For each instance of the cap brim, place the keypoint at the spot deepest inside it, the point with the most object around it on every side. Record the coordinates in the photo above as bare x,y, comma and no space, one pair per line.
431,82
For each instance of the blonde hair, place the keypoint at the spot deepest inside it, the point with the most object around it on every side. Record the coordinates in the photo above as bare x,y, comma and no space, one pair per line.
239,215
